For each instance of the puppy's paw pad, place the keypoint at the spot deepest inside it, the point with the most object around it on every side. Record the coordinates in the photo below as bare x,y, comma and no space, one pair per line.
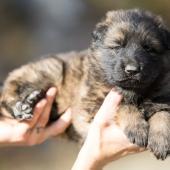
24,109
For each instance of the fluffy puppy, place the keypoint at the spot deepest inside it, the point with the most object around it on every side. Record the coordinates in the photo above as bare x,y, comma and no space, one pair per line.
129,51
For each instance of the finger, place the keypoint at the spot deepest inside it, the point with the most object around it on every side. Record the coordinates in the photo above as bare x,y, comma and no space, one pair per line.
43,120
60,125
134,149
38,110
109,107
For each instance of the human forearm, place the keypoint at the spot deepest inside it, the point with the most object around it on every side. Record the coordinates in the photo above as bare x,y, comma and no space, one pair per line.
86,161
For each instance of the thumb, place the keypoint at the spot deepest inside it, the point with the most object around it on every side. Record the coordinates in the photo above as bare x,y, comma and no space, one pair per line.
109,107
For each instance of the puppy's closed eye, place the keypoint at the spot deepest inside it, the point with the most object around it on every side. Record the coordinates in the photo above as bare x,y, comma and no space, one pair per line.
116,38
153,47
149,49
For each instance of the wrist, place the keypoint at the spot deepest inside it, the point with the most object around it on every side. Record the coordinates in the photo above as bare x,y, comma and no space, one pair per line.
87,160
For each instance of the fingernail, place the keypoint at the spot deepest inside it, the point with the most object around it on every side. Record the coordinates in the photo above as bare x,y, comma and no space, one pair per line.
116,93
115,96
113,89
52,91
67,116
69,113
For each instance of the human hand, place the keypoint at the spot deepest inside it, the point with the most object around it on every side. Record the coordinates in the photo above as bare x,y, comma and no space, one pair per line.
106,141
34,131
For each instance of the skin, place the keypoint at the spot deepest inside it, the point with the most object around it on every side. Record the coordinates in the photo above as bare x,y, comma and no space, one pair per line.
22,133
105,142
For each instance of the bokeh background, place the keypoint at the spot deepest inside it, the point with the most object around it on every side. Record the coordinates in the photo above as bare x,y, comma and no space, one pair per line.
32,28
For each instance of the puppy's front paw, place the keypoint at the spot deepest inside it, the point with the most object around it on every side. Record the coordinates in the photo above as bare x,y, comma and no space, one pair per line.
159,134
159,144
138,133
23,109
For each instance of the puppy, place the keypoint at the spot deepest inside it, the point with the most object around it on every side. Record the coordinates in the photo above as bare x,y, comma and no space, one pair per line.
129,51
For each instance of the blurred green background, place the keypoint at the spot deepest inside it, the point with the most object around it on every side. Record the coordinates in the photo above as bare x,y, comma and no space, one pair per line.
32,28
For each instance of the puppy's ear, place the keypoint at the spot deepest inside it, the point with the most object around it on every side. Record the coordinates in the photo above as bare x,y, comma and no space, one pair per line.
166,36
165,32
99,32
167,39
102,27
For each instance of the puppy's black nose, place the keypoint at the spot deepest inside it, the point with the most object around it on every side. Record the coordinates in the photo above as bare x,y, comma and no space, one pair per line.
132,69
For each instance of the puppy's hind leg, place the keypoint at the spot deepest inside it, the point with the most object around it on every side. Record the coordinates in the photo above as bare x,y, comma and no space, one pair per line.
25,86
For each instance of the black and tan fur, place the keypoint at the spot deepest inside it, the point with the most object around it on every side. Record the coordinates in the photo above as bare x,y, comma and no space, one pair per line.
129,51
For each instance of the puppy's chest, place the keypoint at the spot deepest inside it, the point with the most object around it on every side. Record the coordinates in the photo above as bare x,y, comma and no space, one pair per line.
146,108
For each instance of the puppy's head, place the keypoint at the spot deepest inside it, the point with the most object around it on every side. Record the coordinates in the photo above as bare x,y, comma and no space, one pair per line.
130,46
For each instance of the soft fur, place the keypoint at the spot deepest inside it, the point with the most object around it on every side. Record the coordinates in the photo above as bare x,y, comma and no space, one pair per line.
129,51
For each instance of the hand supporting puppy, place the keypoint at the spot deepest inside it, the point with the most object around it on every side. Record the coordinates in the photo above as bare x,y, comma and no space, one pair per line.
105,141
34,131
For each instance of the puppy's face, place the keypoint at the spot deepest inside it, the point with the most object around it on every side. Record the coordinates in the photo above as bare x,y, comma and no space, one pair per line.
130,46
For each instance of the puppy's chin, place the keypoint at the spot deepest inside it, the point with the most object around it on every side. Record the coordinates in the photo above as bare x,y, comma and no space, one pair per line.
138,83
131,84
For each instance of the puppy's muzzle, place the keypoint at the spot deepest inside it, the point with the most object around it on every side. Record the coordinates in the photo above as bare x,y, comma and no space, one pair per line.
132,69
